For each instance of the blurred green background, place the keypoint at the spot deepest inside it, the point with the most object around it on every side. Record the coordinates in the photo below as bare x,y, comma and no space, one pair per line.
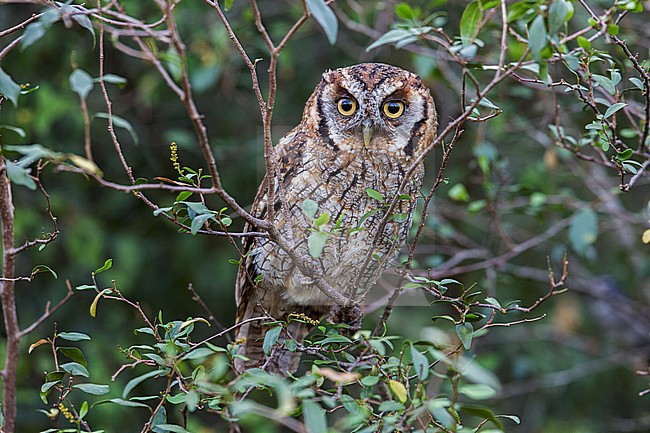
573,371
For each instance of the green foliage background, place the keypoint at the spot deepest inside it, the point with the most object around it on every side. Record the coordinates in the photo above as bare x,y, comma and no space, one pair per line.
573,371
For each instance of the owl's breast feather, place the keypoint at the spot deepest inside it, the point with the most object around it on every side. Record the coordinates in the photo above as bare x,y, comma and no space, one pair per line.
341,192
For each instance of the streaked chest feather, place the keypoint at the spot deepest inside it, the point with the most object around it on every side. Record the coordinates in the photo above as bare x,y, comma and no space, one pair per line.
354,254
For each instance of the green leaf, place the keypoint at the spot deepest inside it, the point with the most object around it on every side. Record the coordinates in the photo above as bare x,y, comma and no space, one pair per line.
198,222
613,109
325,17
517,10
309,208
631,5
73,336
537,37
399,390
390,406
513,418
107,265
199,353
8,88
171,428
17,130
75,369
349,404
482,412
122,402
84,410
197,208
316,243
493,301
374,194
75,354
33,33
159,418
637,82
472,16
113,79
396,35
155,357
605,82
465,333
314,416
46,388
37,29
420,363
177,399
32,153
477,391
458,192
624,155
81,83
322,219
42,268
370,381
121,123
290,345
557,15
270,338
48,385
584,43
583,230
85,22
139,379
20,175
404,11
227,5
93,388
627,166
162,210
226,221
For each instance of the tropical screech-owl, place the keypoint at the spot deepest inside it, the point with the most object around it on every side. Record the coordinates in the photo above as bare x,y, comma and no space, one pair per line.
361,129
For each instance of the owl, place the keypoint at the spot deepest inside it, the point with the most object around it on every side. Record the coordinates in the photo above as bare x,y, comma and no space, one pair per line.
336,174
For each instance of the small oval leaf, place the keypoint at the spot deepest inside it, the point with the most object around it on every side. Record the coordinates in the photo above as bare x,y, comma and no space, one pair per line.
325,17
399,390
73,336
614,108
81,83
271,338
92,388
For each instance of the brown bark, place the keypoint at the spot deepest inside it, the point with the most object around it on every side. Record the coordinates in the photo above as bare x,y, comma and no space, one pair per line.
7,297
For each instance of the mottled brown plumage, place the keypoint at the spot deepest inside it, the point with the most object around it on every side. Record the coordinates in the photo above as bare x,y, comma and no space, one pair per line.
362,128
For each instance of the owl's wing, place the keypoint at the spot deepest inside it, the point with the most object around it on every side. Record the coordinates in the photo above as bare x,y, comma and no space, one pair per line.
264,298
288,156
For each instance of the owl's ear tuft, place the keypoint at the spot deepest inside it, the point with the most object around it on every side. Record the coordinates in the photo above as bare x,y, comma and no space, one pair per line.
327,76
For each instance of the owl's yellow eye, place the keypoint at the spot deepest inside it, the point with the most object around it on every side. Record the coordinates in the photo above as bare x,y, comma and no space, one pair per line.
393,109
347,106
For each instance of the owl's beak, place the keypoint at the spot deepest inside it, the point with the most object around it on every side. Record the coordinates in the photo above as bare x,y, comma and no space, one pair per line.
366,126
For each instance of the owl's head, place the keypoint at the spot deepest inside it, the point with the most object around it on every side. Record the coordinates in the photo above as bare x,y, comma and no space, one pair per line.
373,107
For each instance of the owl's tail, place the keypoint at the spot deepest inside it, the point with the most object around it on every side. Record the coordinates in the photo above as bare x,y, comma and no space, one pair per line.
251,335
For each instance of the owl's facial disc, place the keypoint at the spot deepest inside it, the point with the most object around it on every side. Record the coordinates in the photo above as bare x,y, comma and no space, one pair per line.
373,108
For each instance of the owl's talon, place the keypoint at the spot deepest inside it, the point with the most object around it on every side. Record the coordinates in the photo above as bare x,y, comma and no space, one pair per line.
351,316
